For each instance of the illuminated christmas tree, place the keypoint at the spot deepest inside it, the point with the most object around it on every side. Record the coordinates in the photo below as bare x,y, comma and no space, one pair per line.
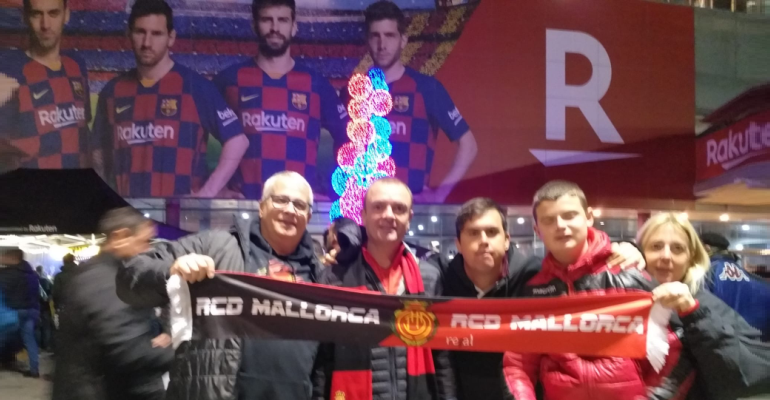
366,157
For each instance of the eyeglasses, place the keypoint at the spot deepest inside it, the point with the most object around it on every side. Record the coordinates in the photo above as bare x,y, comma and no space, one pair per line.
281,202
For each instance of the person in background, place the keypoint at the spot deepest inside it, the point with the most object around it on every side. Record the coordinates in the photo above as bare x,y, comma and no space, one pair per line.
730,358
107,348
45,328
282,104
9,327
45,101
20,284
746,293
421,106
61,281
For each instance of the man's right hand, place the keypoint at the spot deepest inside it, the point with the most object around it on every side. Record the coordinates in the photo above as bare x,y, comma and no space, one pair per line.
193,267
8,86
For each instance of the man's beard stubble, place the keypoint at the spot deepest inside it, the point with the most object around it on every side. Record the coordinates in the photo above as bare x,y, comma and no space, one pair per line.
266,50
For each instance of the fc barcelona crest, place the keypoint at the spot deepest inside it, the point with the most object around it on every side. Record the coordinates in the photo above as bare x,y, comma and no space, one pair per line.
77,88
299,101
401,103
168,107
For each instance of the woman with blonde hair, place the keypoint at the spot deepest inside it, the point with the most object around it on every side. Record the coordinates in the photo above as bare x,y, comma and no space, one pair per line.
731,360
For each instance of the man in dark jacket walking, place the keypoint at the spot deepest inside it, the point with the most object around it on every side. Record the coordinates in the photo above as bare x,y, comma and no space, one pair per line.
277,245
19,283
105,347
61,281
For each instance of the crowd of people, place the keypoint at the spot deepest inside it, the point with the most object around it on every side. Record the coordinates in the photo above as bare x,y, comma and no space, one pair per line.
113,341
109,345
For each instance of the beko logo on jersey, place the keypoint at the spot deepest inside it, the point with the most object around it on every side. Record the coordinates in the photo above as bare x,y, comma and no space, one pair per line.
272,123
149,132
60,118
455,116
227,116
230,306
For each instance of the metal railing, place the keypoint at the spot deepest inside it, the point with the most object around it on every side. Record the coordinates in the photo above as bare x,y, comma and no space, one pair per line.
741,6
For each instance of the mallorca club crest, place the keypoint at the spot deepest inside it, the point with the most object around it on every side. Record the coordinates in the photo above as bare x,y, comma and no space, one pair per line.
168,107
401,103
299,101
339,395
414,324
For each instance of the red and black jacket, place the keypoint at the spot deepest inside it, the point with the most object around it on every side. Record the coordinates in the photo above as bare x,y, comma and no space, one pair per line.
573,377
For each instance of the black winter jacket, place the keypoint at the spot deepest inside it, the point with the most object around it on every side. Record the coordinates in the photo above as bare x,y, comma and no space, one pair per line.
731,361
104,349
61,281
229,369
477,374
388,364
21,287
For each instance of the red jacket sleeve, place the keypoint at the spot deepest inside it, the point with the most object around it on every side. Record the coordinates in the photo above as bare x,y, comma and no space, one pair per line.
676,377
520,372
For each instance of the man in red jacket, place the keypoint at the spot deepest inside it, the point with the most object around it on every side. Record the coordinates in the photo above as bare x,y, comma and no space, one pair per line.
576,264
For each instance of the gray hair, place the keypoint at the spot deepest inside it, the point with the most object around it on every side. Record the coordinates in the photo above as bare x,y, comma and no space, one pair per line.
267,188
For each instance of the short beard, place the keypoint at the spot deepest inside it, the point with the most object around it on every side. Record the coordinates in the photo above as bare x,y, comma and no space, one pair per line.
37,45
390,63
267,51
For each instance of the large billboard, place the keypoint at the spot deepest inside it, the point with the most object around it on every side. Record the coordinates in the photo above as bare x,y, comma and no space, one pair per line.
497,98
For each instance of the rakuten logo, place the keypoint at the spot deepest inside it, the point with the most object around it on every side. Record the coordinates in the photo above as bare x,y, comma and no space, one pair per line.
136,134
738,147
60,118
272,123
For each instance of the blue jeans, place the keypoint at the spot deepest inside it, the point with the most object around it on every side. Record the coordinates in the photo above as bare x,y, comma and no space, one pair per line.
28,319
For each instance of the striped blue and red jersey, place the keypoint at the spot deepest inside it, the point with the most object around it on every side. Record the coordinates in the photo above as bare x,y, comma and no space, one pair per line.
282,117
421,105
154,139
47,119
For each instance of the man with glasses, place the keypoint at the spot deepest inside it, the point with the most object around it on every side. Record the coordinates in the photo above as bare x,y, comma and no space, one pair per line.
274,244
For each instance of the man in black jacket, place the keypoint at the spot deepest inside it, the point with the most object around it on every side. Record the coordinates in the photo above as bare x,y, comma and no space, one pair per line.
379,261
105,348
19,283
61,281
277,245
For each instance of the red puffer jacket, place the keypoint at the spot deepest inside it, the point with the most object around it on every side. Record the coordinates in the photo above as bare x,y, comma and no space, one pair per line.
574,377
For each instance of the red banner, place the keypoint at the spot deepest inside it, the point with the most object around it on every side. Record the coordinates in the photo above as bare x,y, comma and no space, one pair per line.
743,143
236,305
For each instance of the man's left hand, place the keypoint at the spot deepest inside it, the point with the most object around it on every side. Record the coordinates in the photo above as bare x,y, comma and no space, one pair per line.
626,256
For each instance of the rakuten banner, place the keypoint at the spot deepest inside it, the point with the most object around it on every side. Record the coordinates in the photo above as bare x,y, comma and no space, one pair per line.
743,143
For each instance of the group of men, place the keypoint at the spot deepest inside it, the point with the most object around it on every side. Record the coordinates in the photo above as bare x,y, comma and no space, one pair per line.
277,244
152,124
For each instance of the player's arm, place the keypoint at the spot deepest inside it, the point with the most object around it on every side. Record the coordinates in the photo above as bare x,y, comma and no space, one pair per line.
101,138
334,114
222,122
442,110
229,160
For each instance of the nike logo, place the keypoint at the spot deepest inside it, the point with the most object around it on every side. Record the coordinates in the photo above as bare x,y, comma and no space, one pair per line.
37,96
119,110
249,98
